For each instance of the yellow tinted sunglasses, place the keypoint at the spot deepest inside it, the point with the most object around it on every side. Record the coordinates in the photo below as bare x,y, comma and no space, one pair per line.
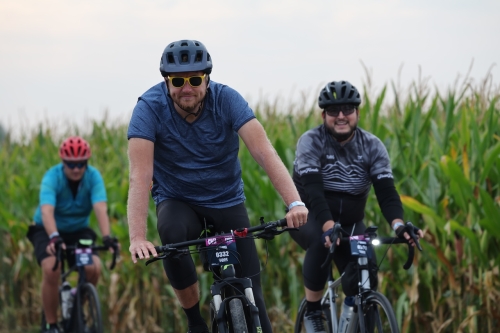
179,82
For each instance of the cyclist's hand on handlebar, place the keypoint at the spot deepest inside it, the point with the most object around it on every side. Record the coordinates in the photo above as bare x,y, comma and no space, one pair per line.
54,243
141,249
403,232
326,238
111,243
297,216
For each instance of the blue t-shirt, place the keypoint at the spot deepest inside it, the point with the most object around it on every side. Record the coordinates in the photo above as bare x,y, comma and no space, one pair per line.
194,162
71,214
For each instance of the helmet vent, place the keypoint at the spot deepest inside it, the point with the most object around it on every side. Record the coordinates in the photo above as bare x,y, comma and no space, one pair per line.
199,56
343,90
170,58
350,94
184,57
184,44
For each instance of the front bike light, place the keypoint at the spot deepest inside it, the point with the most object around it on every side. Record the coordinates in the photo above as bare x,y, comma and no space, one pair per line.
375,242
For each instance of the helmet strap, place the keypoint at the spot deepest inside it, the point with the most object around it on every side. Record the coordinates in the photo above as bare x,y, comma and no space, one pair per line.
195,114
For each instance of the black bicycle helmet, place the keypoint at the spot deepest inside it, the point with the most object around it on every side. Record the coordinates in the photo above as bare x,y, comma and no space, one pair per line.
338,92
185,56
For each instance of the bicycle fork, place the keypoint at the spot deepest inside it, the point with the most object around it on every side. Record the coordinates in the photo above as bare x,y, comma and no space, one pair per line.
222,304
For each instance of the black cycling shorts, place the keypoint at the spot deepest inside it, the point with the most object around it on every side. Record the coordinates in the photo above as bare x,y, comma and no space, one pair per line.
39,238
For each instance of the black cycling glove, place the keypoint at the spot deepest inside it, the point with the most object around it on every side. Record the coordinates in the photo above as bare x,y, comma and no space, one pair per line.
110,242
400,231
326,234
56,240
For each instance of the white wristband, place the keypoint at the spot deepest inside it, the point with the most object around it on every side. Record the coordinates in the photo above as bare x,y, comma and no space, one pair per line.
397,225
54,234
296,203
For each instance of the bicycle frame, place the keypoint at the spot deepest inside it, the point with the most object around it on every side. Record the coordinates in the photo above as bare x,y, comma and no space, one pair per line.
329,300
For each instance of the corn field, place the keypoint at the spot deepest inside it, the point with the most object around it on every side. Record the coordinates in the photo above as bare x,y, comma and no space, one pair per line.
445,153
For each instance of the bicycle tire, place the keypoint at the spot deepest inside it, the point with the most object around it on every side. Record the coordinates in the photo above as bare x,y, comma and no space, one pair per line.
299,327
238,316
378,315
89,317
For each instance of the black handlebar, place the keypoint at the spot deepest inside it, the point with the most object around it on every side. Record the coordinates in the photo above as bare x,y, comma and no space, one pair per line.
59,254
338,232
266,230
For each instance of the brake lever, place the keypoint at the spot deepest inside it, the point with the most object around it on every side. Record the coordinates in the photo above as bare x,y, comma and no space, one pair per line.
155,259
265,235
58,255
413,236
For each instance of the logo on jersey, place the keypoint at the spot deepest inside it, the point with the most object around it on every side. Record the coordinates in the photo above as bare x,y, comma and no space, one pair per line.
330,157
385,175
301,172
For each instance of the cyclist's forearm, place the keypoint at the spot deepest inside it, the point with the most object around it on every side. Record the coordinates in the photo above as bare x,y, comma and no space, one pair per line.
314,190
48,219
282,182
269,160
261,149
141,155
388,199
137,212
101,213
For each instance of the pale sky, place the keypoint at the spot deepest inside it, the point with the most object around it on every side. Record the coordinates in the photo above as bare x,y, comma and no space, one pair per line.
71,60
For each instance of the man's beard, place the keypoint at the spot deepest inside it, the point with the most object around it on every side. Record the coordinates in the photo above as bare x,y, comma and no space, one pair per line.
341,137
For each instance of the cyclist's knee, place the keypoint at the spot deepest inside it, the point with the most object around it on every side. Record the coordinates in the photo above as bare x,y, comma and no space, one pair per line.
47,265
93,272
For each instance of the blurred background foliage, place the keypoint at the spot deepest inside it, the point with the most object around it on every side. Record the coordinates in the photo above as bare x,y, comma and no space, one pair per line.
445,153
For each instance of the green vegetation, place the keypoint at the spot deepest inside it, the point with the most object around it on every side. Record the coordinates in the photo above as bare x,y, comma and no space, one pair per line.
445,151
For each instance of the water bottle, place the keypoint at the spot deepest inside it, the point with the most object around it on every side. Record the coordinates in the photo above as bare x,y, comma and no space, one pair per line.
71,300
66,301
345,316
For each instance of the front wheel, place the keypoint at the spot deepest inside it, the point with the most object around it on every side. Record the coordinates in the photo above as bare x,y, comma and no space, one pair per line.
238,316
89,319
378,315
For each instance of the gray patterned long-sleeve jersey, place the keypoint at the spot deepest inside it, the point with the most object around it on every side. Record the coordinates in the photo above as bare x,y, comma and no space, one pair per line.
348,170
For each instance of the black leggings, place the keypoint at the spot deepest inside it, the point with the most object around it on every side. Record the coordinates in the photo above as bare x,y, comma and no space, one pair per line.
309,238
179,221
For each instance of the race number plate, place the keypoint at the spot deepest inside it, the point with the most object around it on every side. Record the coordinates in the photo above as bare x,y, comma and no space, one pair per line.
359,248
83,256
221,250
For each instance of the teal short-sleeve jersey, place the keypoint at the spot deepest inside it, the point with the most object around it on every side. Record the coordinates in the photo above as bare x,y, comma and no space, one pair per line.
71,213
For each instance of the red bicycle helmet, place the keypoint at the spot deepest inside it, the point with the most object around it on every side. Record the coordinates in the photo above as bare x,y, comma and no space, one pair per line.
74,148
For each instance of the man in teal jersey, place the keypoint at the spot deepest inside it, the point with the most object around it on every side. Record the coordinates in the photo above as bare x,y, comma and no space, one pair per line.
68,193
184,135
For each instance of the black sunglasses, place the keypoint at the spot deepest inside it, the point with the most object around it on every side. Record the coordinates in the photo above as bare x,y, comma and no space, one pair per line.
334,110
73,165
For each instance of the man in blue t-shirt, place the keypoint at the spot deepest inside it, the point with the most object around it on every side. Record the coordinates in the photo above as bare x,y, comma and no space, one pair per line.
184,136
68,193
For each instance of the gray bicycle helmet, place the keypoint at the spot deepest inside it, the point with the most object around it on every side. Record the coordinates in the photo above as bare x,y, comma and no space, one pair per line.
338,92
185,56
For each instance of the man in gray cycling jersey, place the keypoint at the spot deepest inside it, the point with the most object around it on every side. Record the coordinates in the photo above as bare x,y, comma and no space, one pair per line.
336,163
184,135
